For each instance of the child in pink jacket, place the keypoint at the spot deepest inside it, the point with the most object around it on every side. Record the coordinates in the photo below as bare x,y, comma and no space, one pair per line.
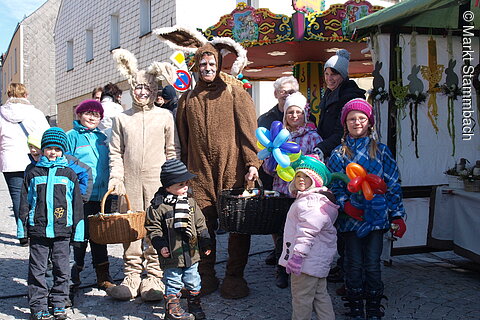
310,240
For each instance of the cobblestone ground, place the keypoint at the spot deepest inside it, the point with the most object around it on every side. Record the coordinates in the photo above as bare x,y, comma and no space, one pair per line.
420,286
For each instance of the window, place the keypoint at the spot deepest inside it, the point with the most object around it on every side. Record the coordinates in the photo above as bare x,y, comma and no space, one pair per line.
145,17
88,45
70,55
15,60
114,32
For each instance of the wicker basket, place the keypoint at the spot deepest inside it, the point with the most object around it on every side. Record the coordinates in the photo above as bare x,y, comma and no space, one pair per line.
471,186
258,214
117,228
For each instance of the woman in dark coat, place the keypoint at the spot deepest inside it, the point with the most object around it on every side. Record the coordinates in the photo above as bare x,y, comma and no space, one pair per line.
340,90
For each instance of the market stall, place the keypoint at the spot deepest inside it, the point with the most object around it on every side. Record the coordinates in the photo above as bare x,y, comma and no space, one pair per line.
425,91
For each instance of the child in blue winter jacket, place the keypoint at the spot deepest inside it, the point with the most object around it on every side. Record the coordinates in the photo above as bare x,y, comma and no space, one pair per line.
88,144
365,222
51,215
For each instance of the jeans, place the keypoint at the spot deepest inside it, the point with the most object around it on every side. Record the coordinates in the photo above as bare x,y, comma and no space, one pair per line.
15,182
362,261
177,278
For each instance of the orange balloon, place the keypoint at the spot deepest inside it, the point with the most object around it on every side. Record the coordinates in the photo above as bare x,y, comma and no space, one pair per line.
355,170
367,190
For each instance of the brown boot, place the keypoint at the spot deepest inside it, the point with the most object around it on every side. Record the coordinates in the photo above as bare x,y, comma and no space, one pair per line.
194,306
104,280
234,286
173,310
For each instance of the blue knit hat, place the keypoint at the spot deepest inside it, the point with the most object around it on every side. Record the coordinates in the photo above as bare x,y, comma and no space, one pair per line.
54,137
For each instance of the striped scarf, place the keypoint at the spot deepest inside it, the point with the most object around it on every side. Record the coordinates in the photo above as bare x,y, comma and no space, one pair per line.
181,218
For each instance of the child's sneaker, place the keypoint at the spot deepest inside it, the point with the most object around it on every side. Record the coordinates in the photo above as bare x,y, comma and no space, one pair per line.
41,315
60,314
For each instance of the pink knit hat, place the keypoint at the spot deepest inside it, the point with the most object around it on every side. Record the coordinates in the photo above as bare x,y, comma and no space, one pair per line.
358,105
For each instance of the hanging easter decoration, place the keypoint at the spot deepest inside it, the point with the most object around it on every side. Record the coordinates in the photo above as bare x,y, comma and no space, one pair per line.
433,74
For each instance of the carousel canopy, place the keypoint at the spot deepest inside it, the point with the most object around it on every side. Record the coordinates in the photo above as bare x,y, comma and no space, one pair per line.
276,42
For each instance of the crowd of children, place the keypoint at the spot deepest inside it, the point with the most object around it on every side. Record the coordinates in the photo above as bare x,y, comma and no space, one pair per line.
69,175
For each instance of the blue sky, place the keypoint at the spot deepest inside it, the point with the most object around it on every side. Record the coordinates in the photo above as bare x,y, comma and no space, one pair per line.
11,13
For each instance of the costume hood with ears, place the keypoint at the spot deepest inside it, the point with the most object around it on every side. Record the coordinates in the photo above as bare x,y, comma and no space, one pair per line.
156,72
192,41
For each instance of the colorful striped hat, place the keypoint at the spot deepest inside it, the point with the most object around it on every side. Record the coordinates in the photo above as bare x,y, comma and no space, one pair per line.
54,137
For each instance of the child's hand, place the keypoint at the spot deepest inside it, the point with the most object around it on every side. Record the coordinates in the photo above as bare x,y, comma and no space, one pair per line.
353,211
294,265
207,252
398,227
165,252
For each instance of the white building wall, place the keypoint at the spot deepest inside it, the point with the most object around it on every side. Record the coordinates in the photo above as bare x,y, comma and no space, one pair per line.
76,17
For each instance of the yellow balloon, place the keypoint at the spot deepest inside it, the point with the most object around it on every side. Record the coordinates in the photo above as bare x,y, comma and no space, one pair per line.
286,174
294,156
260,146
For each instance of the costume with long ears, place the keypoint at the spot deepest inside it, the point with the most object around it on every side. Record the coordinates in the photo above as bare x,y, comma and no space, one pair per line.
216,125
143,138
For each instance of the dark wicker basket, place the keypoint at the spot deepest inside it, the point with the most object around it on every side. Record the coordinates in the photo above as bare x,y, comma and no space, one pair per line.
259,214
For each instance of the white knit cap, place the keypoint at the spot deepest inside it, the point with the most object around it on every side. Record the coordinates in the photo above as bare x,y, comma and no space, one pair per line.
295,99
339,62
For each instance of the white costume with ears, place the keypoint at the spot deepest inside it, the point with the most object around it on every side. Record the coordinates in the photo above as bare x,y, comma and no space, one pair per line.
143,138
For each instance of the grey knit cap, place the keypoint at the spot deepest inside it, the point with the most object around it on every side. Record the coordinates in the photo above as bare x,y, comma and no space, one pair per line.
339,62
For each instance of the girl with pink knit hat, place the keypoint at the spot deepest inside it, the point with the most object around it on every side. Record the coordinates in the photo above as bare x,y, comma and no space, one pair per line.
364,222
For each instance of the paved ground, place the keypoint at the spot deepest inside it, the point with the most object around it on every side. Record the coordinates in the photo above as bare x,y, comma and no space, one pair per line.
421,286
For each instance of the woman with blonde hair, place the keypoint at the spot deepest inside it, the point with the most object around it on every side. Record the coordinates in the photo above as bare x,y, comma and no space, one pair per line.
18,118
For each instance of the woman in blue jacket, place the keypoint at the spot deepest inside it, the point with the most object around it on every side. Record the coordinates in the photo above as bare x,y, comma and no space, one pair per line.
88,144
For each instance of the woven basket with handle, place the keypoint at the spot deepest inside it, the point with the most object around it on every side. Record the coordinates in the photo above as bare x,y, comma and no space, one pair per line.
259,214
117,228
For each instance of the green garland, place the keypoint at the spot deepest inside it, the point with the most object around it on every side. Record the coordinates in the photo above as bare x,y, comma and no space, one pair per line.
452,92
413,101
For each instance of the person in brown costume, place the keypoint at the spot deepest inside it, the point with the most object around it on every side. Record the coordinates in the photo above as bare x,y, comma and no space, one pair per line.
216,125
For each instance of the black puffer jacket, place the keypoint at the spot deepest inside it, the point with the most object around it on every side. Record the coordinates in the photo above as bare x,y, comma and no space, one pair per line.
329,126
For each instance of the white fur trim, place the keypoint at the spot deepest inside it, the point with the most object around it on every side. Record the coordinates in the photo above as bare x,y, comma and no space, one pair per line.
126,63
163,71
240,51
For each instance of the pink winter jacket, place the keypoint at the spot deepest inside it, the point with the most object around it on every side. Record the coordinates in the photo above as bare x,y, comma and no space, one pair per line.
310,233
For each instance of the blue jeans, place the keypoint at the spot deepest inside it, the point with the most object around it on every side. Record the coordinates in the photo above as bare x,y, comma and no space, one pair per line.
362,261
177,278
14,182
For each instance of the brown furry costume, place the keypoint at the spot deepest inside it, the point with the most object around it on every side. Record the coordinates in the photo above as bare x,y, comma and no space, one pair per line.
216,125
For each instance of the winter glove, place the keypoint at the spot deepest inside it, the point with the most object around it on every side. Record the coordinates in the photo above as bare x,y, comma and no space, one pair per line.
118,186
402,227
294,264
353,211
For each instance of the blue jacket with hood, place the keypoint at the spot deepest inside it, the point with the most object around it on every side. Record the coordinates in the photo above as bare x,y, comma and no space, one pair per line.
51,204
90,147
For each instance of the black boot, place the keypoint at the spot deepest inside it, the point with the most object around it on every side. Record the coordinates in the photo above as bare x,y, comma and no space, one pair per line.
281,280
374,308
194,306
173,310
354,300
